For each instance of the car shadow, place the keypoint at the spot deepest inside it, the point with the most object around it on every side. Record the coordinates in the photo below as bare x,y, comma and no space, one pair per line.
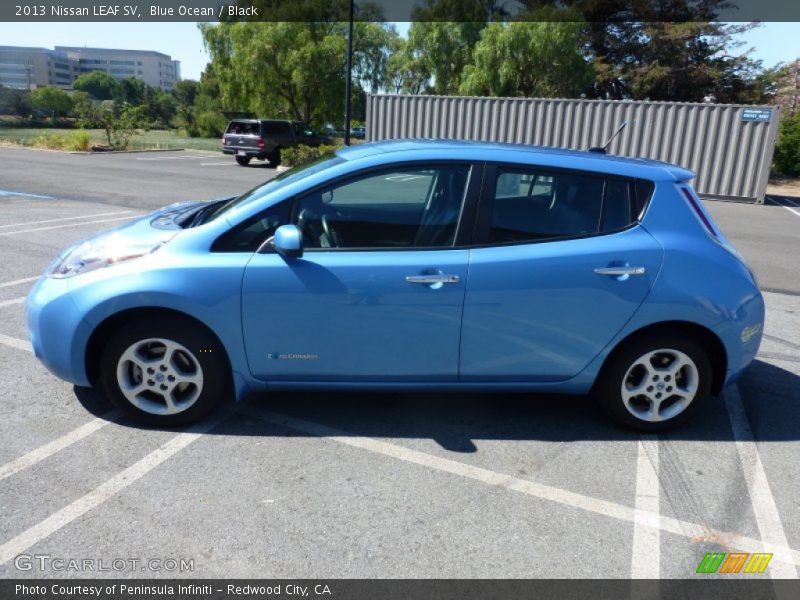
771,396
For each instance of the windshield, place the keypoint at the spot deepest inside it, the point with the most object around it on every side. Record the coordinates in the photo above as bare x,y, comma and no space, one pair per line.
273,185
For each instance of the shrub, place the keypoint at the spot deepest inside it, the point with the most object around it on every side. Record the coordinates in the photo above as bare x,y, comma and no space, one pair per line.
787,148
80,140
52,141
300,155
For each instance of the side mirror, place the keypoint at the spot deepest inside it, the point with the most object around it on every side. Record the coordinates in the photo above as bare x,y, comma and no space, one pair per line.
287,241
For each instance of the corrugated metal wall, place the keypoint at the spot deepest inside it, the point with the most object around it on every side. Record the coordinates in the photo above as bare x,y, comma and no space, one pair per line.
731,156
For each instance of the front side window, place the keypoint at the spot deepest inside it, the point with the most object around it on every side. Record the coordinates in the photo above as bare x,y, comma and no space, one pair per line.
413,207
251,234
532,204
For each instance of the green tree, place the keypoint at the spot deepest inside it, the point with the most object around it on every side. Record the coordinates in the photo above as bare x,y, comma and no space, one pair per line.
292,69
52,99
670,51
438,51
130,91
528,59
119,122
84,108
787,148
99,84
15,102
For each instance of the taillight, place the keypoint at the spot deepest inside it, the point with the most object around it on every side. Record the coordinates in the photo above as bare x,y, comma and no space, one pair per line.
260,143
699,211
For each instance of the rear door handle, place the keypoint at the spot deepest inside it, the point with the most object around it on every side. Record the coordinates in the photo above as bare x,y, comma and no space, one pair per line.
618,271
431,279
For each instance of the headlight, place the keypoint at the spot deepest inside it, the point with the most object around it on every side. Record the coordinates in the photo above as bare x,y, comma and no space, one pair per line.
97,253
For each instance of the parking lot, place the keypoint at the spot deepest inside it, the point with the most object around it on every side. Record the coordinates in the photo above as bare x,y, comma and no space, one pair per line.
377,485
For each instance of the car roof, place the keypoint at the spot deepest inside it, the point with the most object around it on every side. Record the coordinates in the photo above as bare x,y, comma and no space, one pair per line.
427,149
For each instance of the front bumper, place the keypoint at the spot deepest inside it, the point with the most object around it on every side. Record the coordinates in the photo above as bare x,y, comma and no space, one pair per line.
57,330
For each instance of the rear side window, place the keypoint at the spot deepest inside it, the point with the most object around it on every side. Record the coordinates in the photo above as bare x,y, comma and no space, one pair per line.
534,205
531,205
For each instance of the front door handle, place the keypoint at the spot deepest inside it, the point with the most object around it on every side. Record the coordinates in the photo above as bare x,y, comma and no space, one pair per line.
432,279
619,271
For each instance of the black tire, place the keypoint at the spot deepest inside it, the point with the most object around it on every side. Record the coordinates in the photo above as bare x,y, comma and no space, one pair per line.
206,352
275,158
673,388
243,160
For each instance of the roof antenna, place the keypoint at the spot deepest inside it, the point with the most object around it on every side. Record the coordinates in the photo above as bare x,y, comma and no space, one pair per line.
602,149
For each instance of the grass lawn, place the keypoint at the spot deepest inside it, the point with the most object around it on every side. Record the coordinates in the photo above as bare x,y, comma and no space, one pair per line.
162,139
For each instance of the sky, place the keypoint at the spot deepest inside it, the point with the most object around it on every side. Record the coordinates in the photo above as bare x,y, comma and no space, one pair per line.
772,42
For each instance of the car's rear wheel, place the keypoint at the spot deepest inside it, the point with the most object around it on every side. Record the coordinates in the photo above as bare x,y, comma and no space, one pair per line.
163,373
243,160
655,383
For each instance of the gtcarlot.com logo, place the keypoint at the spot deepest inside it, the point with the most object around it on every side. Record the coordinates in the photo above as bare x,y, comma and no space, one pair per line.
735,562
47,562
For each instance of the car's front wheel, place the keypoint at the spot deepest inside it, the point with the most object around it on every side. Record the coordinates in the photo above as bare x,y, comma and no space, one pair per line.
163,372
655,382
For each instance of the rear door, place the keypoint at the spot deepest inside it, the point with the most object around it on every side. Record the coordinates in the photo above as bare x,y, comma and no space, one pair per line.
243,135
559,267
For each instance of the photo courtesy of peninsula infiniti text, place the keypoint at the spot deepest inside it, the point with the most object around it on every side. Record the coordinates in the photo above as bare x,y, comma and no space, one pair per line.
412,265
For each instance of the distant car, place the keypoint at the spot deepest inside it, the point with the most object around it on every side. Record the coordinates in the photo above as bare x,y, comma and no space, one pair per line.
412,265
358,132
264,139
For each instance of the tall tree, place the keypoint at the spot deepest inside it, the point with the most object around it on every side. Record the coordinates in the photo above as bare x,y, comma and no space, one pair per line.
675,50
292,69
528,59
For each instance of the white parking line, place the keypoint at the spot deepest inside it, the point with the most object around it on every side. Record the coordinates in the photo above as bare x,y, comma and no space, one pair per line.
58,444
789,208
605,508
4,193
764,508
13,342
13,301
105,214
18,281
67,225
106,490
646,551
172,158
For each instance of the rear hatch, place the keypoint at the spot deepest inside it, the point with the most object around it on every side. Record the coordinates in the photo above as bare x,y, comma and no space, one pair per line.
243,134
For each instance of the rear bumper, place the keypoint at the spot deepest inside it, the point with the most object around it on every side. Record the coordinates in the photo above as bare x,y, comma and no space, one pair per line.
248,152
741,336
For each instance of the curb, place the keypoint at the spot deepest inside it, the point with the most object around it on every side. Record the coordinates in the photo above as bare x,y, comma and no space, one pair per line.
126,151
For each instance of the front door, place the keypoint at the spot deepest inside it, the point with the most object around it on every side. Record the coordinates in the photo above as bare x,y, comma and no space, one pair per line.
379,291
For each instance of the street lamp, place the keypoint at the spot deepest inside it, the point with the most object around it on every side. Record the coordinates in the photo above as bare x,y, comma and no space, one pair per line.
348,77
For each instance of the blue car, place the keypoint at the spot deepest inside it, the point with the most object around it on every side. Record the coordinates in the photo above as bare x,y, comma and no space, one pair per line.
412,265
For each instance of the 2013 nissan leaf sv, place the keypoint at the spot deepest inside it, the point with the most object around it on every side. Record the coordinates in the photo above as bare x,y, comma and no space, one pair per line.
412,265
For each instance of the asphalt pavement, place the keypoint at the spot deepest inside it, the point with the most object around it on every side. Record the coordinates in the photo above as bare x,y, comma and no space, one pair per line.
376,485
